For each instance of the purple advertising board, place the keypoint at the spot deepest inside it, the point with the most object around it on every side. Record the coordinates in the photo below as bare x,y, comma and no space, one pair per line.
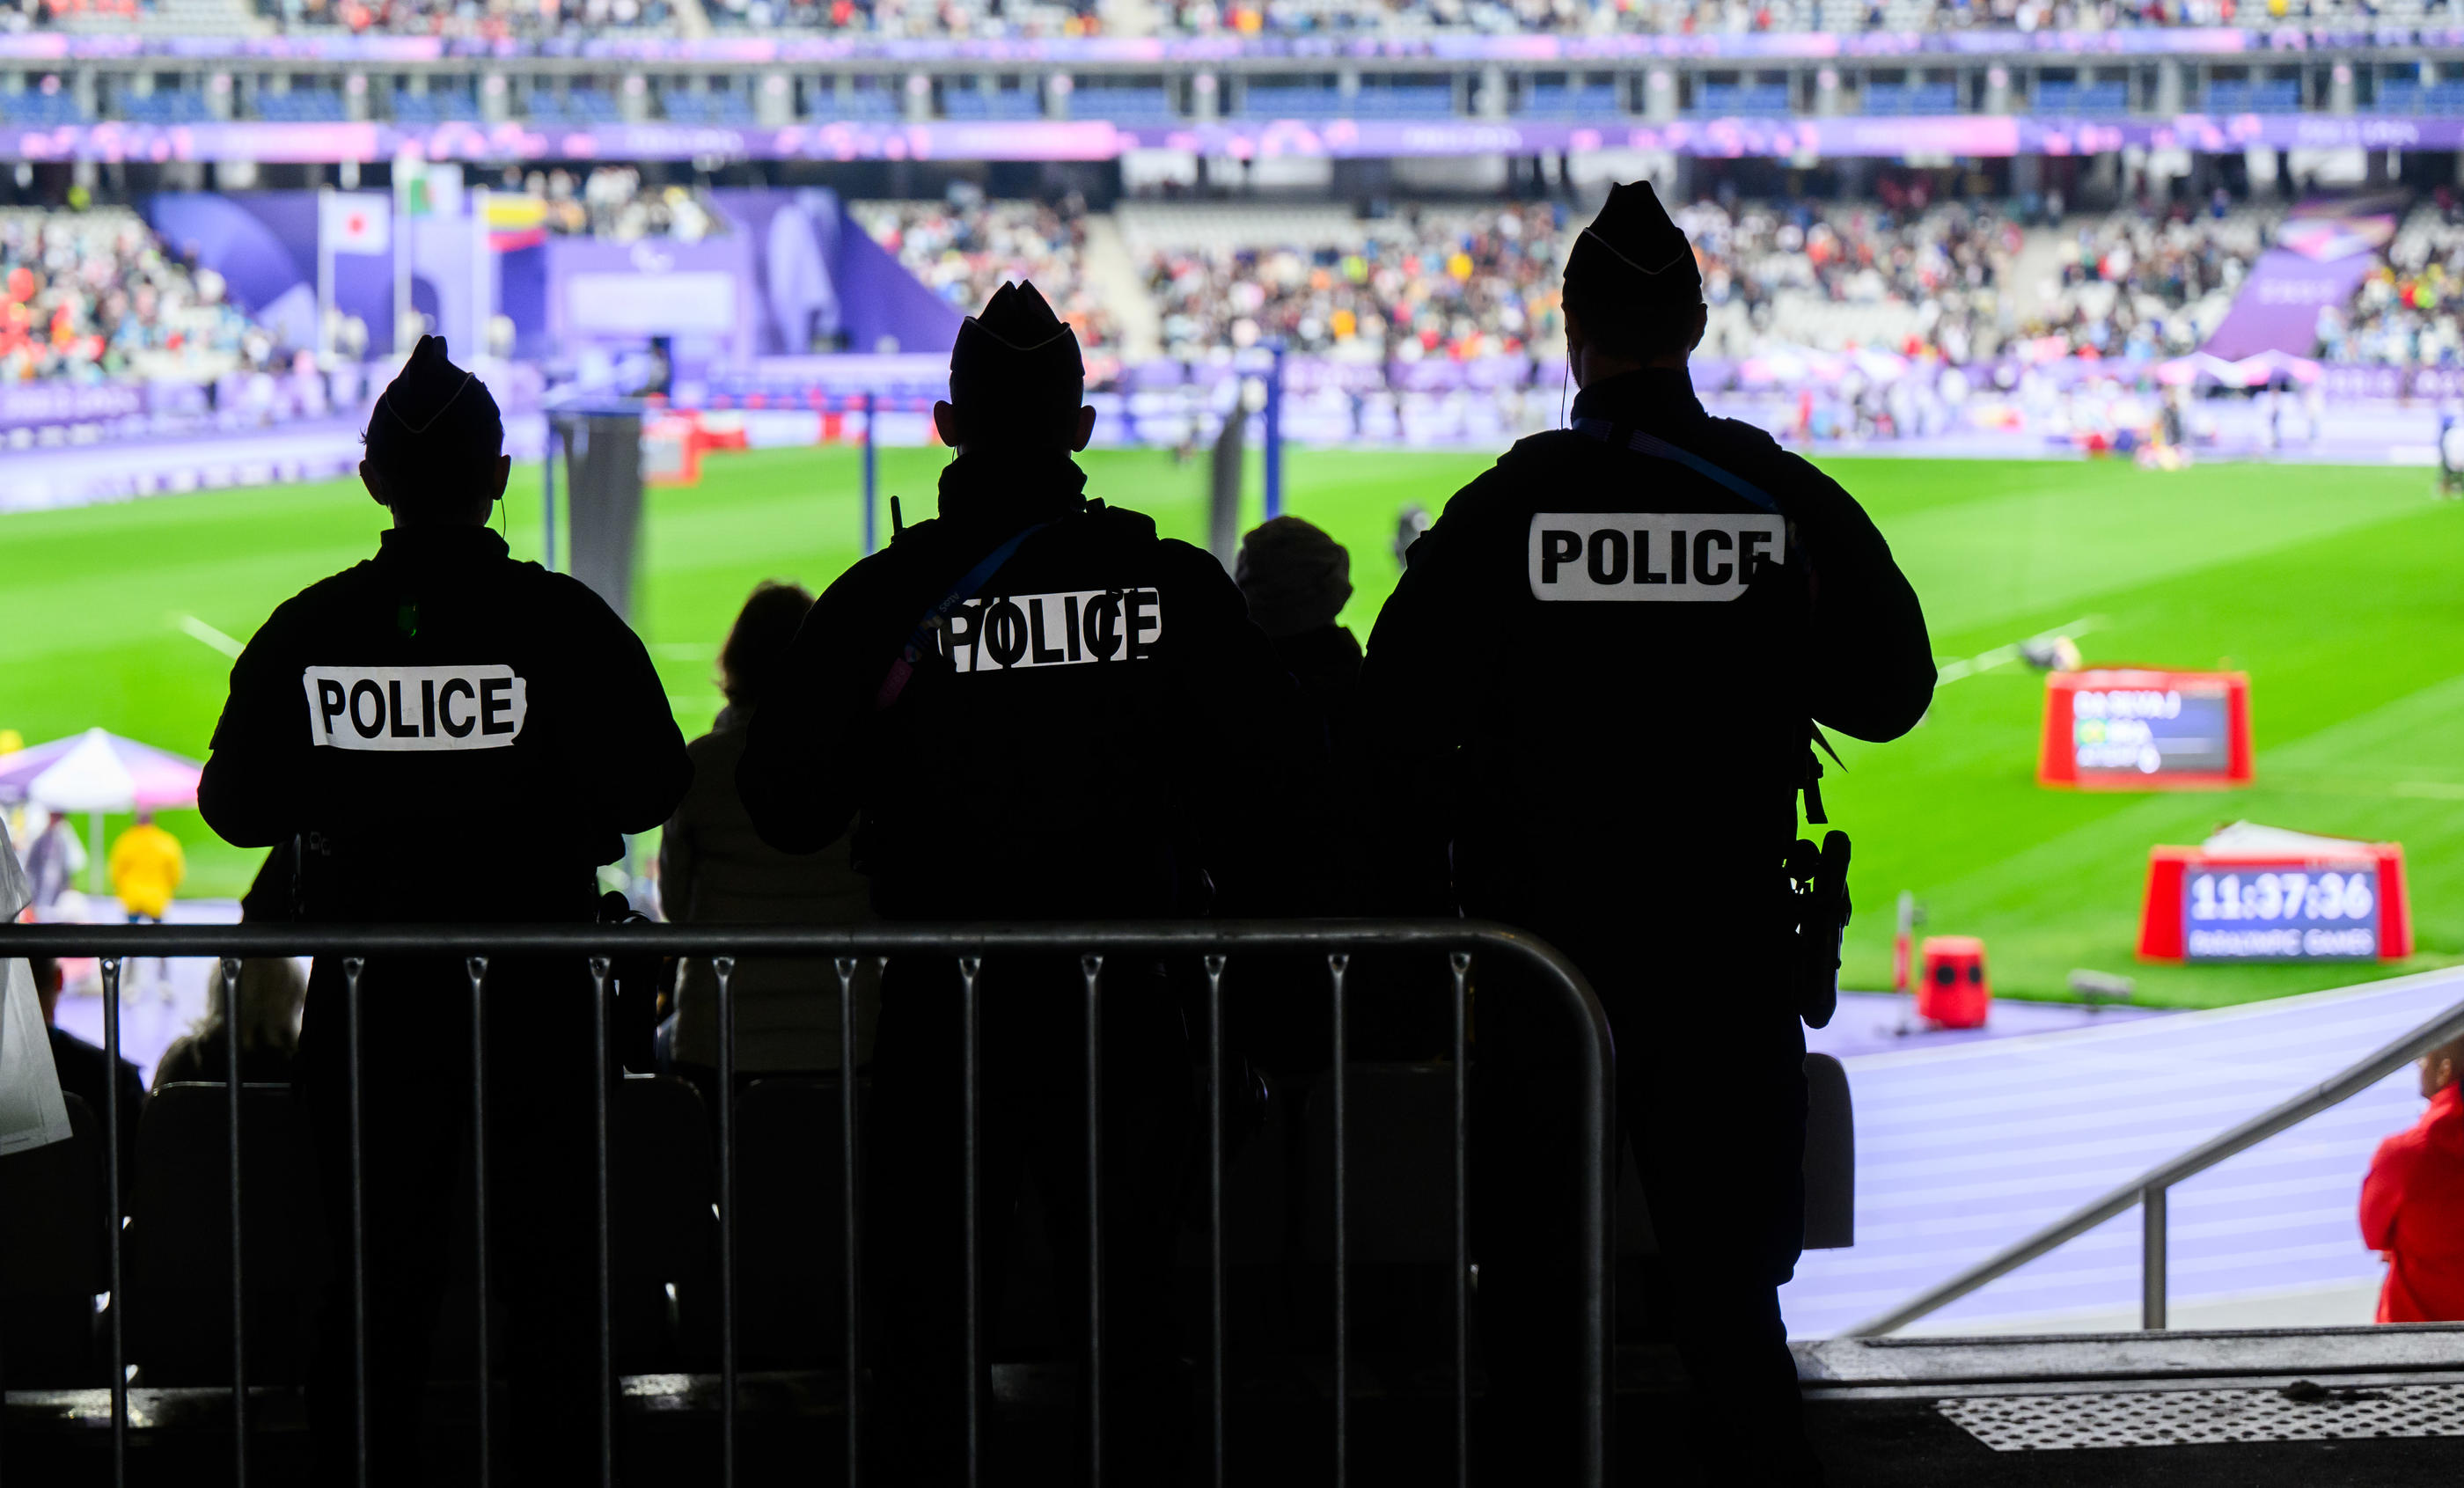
1973,135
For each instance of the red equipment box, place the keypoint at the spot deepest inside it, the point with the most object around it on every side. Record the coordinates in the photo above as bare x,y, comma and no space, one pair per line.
2131,728
2260,895
1954,992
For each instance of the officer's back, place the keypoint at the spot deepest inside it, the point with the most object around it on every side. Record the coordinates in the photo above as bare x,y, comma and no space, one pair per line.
1048,744
457,735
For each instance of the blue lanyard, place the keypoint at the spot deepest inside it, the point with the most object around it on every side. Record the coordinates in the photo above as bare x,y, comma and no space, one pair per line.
920,640
1660,448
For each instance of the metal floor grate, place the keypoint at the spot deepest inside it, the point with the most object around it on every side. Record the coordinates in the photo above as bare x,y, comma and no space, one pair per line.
2300,1412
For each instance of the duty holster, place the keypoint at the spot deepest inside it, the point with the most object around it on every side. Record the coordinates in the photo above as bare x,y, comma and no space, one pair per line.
1818,910
633,995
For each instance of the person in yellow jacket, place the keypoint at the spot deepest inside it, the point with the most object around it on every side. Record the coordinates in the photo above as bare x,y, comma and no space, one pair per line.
146,866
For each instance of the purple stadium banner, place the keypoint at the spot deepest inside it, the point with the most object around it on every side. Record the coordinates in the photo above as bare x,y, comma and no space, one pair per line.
42,46
1063,140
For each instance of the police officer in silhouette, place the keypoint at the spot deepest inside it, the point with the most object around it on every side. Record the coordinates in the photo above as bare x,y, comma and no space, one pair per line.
1036,703
449,735
1597,677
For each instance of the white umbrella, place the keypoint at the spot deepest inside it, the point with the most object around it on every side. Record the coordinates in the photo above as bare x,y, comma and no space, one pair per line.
95,772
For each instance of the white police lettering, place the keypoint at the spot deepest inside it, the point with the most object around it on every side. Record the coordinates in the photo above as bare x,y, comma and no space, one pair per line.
414,707
1015,631
1657,556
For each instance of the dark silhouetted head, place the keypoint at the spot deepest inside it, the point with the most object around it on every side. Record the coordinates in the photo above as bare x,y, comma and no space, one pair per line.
1632,285
1295,577
436,442
1015,378
757,644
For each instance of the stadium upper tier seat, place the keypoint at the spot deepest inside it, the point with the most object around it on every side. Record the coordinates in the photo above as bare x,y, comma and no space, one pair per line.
1555,100
1286,101
723,109
40,109
1005,105
2278,95
1131,106
436,106
164,106
1734,101
2054,97
1932,98
301,106
1416,100
52,1259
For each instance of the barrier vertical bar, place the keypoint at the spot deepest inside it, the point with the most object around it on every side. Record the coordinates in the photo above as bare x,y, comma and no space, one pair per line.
724,967
1460,962
111,1118
848,1197
476,967
606,1260
232,1023
871,520
1093,967
969,968
2152,1201
1338,1056
353,967
1214,1209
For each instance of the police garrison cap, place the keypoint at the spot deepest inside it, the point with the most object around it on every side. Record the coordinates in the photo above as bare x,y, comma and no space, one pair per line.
1632,257
434,415
1016,357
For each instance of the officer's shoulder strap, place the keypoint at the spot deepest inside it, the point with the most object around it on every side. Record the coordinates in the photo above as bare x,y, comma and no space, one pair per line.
1627,436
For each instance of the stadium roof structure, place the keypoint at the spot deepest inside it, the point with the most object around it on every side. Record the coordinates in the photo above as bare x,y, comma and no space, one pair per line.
99,770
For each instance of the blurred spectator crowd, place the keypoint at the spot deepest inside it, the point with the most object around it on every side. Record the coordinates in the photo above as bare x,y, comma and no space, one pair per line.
1452,284
92,296
2404,313
610,203
964,248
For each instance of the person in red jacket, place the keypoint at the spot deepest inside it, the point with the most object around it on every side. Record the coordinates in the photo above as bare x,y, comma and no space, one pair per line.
2412,1202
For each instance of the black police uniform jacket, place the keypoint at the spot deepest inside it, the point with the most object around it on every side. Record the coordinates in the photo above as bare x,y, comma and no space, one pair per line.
1587,704
451,735
1073,737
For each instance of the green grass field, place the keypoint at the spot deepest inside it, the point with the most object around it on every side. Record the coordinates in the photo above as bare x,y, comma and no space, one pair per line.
2335,588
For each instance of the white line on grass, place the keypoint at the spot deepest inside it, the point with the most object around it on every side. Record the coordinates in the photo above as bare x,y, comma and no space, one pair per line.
1950,671
208,635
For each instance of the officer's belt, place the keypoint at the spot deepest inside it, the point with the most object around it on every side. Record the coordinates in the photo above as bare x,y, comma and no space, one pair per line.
1660,448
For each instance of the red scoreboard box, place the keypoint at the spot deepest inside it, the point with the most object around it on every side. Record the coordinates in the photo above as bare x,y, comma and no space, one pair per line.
2325,899
2127,729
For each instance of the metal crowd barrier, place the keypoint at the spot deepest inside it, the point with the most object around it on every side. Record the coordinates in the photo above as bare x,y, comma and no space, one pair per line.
1213,942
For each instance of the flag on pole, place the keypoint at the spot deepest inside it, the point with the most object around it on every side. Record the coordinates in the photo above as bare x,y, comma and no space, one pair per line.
355,222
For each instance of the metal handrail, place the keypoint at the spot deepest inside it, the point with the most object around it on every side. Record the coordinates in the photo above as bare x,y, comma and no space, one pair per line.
2150,1190
1213,942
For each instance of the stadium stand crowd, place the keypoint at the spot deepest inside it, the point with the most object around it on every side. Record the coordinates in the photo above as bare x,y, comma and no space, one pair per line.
1447,284
2404,313
610,203
963,250
94,295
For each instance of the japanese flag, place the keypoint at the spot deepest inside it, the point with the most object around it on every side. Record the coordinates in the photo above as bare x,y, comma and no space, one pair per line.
355,222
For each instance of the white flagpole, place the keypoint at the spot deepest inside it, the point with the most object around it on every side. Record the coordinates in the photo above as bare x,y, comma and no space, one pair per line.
325,277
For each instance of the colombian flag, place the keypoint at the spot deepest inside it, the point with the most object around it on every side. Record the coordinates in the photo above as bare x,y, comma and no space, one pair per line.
516,222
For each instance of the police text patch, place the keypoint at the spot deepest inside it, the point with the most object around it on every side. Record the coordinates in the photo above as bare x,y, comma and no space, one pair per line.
1010,632
408,708
1650,555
